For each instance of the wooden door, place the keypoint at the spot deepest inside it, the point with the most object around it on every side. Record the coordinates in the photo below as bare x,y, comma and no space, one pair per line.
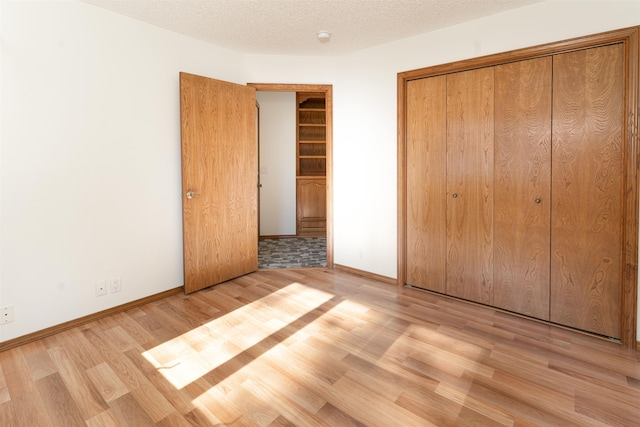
219,170
522,187
311,207
426,236
470,134
587,187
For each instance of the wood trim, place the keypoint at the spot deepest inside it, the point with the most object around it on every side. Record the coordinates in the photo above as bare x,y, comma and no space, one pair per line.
328,91
627,36
402,180
9,344
258,153
365,274
629,294
287,87
329,173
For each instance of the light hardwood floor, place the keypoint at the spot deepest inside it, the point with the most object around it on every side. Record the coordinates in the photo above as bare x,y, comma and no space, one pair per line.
317,347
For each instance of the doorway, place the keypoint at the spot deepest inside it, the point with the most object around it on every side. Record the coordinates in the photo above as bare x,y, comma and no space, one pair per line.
291,248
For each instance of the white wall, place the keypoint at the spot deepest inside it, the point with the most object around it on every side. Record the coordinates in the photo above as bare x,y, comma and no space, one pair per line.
90,171
90,162
277,163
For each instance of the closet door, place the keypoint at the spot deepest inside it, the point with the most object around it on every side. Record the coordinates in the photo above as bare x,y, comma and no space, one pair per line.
522,180
587,188
470,134
426,183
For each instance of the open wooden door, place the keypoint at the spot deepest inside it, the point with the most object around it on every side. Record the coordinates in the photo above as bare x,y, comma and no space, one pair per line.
219,188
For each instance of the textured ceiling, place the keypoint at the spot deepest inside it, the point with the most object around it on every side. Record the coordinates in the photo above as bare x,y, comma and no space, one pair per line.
289,27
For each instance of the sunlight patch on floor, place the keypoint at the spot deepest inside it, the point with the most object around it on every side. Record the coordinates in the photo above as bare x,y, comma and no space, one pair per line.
184,359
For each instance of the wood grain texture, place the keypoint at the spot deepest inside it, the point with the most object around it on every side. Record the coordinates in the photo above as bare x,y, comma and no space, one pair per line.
328,90
586,271
401,105
522,187
426,183
311,207
470,135
219,164
628,38
317,347
629,295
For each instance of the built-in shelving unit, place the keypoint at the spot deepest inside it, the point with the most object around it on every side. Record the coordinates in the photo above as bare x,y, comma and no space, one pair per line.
311,163
312,135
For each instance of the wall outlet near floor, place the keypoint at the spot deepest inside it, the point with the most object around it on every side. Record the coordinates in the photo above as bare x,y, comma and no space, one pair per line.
6,314
115,285
101,288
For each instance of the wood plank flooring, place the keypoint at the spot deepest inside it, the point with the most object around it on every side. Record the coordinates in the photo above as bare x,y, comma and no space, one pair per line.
317,347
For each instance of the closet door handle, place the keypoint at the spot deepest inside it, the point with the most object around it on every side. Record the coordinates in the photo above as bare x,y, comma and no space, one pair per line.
538,200
190,195
454,195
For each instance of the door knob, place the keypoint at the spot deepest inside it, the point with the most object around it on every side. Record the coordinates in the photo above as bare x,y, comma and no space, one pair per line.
538,200
191,195
454,195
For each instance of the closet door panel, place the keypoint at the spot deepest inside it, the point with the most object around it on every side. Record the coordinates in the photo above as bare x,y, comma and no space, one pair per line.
587,186
426,183
470,134
522,187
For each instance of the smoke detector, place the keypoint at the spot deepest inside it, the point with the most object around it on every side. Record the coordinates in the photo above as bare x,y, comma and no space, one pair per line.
323,36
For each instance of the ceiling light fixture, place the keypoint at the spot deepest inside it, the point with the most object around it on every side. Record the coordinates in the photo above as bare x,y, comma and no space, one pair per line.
323,36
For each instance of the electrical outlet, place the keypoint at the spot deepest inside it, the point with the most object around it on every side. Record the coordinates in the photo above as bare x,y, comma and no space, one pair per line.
115,285
6,314
101,288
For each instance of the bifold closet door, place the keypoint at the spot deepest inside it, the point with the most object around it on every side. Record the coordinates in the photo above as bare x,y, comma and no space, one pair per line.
470,134
522,187
587,189
426,183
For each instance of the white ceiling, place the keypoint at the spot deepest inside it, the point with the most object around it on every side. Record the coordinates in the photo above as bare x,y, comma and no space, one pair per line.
289,27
